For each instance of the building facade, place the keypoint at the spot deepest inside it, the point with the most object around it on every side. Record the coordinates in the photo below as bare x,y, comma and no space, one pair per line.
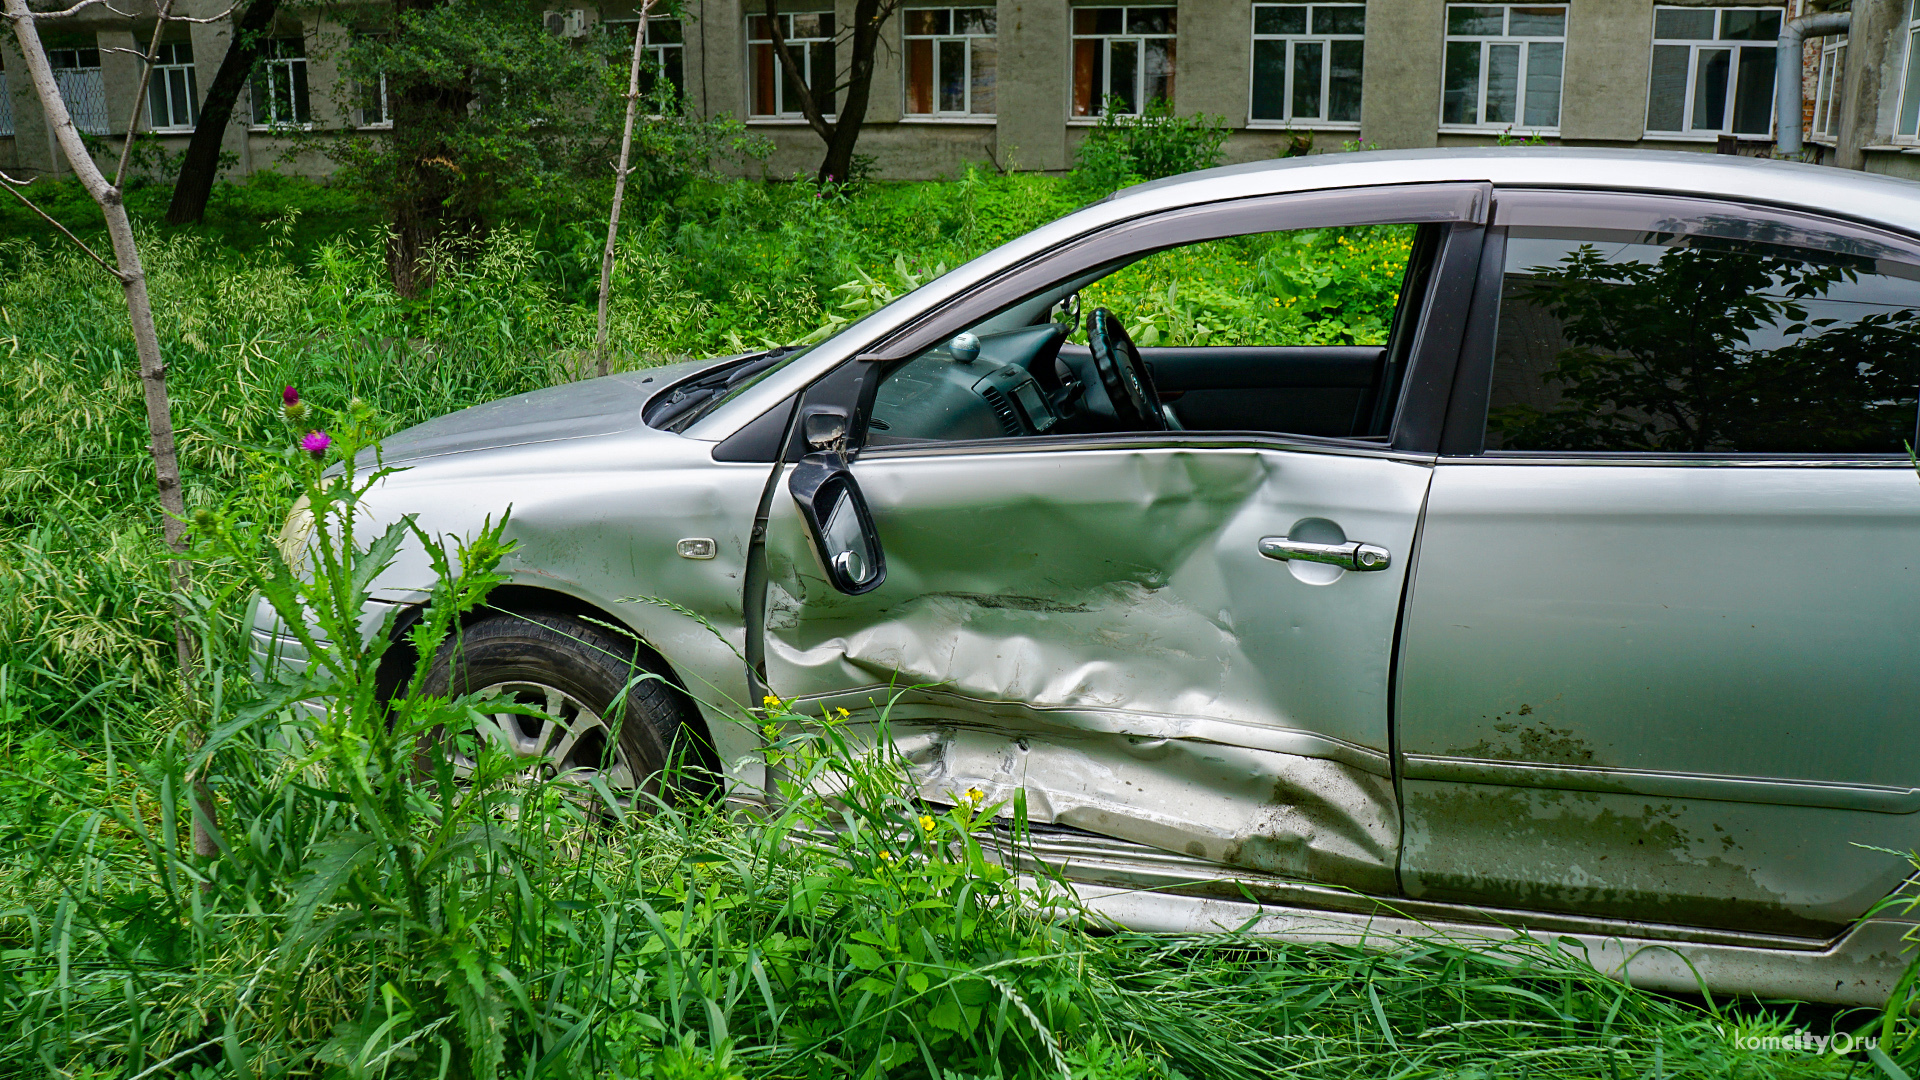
1019,83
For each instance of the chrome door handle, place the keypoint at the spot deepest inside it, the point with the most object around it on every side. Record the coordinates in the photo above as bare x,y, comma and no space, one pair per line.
1352,555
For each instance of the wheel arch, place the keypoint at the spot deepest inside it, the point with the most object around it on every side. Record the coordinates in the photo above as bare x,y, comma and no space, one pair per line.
519,599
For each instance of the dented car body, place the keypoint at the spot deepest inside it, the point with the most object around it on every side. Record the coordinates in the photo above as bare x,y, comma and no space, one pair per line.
1583,605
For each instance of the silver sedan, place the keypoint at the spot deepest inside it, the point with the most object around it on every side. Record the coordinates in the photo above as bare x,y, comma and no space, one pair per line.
1580,600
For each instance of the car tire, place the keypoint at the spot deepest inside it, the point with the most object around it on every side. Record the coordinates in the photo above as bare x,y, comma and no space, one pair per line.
602,713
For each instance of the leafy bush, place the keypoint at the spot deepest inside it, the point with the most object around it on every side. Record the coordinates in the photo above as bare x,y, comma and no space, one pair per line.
1124,149
371,912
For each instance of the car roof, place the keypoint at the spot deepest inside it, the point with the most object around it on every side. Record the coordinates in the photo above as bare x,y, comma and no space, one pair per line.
1869,198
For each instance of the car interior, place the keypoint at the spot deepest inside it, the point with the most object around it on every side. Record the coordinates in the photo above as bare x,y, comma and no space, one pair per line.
1046,367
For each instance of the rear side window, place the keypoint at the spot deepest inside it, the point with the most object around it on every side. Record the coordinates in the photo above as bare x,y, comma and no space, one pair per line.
1710,335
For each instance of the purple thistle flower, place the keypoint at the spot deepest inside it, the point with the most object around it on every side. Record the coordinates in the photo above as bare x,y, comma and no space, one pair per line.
291,406
316,443
290,396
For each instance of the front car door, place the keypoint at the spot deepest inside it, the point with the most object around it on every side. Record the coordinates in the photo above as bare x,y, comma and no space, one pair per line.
1087,614
1658,657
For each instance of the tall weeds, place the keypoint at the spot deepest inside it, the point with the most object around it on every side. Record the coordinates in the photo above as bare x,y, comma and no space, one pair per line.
373,912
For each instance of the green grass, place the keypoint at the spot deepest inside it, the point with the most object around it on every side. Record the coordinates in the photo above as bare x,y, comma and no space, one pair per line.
367,922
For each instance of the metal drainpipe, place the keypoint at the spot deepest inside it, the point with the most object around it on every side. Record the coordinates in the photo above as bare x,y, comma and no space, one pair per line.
1789,72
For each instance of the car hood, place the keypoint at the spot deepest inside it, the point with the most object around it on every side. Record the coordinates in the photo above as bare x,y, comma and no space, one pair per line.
573,411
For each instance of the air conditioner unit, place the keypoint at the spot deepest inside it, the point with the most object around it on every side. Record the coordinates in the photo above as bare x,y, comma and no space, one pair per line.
567,24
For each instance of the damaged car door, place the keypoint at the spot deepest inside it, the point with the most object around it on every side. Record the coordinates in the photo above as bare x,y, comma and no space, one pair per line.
1172,635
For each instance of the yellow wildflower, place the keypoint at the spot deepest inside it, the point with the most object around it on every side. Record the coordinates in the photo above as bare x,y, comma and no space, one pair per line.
770,701
887,855
926,822
843,713
976,796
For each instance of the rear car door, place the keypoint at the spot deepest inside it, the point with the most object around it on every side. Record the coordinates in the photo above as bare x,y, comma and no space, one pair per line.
1659,653
1089,616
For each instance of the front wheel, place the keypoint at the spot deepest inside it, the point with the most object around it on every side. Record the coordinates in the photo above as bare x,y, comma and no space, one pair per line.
597,713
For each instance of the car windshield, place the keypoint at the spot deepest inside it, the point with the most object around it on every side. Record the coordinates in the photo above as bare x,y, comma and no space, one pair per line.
695,400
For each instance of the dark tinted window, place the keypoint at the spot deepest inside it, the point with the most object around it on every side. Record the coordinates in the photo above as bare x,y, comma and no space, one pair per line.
1675,343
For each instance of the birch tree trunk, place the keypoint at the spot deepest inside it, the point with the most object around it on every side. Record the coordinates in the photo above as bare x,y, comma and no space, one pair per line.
620,186
146,343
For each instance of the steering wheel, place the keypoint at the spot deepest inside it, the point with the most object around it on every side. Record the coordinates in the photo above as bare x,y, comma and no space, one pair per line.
1128,382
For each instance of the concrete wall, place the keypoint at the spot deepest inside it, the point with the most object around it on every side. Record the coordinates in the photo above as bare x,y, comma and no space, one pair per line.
1603,99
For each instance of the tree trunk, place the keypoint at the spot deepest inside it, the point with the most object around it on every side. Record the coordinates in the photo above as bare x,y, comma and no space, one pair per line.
838,163
198,168
146,345
844,132
620,187
426,176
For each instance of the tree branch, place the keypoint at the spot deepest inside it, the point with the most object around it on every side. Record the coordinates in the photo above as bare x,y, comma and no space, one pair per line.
14,186
140,93
808,106
74,10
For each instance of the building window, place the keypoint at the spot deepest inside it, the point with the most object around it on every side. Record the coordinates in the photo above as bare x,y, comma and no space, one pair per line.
1503,66
1124,53
77,73
666,54
810,40
1826,109
1712,71
952,61
1909,129
280,84
1306,63
172,103
6,105
375,111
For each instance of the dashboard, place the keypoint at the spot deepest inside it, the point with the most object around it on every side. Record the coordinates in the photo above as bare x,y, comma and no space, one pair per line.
1022,382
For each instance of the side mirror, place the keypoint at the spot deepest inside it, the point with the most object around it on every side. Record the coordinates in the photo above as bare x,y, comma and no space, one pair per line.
838,523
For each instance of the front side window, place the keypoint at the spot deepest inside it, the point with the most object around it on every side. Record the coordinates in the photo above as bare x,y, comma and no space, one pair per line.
776,93
1716,341
280,84
1307,63
76,72
952,61
1910,87
1283,332
1712,71
1503,66
1122,54
172,102
1826,107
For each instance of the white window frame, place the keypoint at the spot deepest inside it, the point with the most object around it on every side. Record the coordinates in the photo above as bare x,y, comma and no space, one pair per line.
385,123
283,65
1518,126
968,41
798,45
1908,114
81,88
1139,40
1293,41
1687,132
163,77
657,50
1826,88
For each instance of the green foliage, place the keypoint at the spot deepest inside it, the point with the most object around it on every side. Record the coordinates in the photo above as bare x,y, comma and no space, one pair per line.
372,914
1124,149
1319,287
